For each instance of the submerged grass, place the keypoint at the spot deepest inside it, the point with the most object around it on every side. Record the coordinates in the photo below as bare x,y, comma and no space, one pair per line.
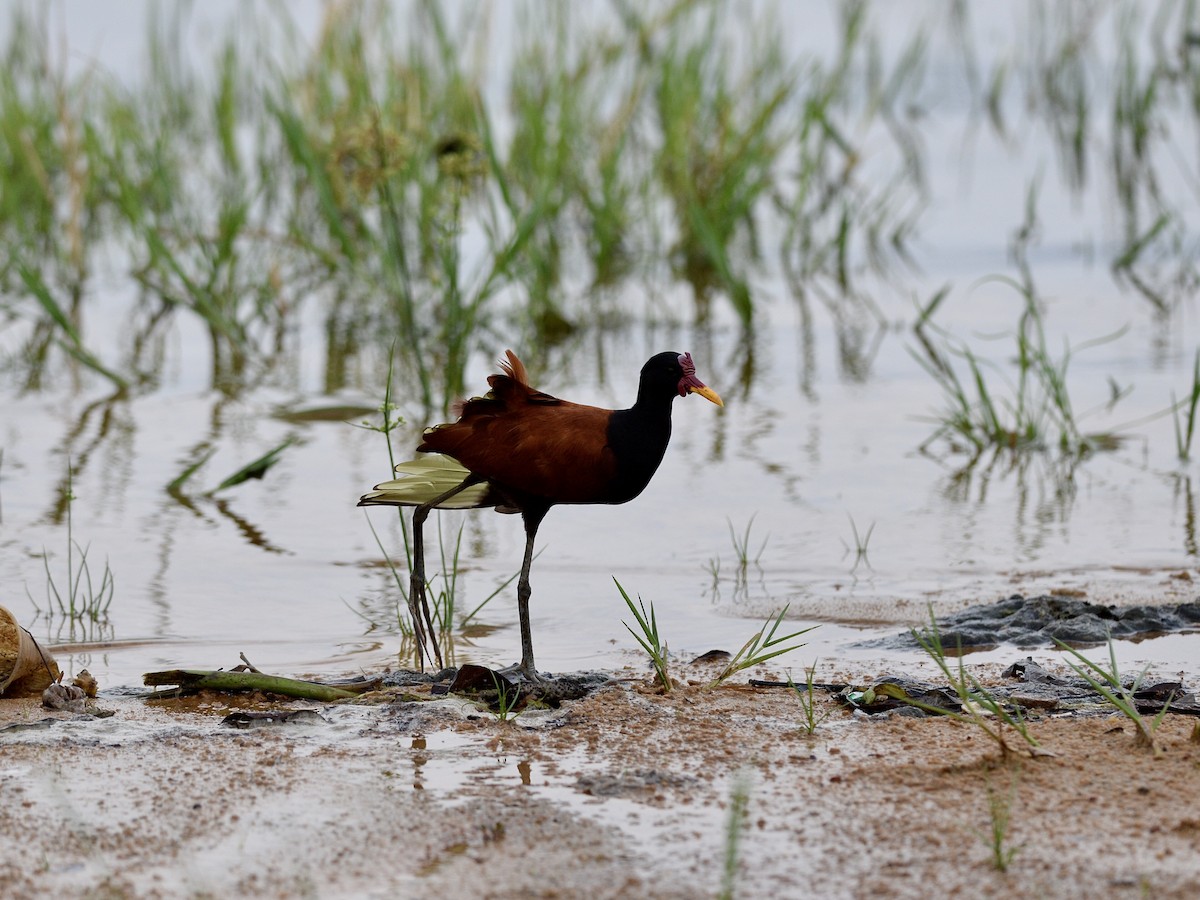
841,222
720,143
382,169
381,166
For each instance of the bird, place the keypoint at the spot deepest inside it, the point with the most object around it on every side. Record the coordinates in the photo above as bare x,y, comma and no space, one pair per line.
520,450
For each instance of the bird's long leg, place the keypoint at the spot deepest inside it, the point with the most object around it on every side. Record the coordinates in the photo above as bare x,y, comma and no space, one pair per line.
418,604
416,589
524,590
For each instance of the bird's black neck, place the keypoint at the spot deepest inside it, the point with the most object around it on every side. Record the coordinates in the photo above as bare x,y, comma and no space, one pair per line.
638,437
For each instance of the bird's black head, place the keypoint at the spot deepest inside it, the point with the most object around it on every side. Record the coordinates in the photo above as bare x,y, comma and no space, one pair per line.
670,373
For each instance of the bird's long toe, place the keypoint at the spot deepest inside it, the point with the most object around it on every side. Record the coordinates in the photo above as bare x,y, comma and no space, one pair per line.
526,673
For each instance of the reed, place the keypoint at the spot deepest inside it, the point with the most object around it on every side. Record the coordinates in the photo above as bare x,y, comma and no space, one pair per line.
721,137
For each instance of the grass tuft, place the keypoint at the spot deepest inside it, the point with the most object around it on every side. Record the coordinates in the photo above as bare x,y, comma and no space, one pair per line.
1109,684
1032,413
508,698
763,646
735,824
979,707
808,703
1000,803
82,599
648,637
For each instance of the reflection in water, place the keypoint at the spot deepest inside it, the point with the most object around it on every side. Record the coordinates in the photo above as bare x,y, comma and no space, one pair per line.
744,578
742,363
64,630
251,532
1042,489
1183,493
147,353
419,758
858,343
102,421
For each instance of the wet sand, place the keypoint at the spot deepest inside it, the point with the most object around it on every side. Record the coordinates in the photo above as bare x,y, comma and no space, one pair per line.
625,793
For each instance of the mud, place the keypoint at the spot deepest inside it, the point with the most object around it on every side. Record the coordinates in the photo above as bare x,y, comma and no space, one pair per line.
1040,621
625,792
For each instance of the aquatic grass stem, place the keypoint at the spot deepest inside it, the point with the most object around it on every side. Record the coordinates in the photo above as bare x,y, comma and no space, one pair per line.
741,545
861,543
1185,429
82,599
404,625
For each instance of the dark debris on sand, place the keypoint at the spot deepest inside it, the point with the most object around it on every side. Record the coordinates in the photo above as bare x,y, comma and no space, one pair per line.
482,683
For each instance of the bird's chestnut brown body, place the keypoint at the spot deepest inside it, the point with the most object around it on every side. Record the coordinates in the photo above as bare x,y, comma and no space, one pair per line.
535,449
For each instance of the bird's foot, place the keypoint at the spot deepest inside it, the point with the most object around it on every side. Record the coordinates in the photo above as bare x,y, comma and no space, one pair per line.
526,673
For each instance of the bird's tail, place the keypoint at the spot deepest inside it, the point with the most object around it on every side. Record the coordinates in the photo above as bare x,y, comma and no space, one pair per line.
514,368
424,479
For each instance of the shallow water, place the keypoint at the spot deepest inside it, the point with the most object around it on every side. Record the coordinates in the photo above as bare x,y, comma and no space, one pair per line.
820,436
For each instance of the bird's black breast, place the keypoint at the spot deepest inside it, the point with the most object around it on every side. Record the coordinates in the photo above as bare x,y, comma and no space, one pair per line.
638,442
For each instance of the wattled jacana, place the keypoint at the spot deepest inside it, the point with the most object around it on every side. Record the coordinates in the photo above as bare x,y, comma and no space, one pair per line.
518,449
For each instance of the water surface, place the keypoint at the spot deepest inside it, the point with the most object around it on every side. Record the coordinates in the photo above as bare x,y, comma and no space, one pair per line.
826,415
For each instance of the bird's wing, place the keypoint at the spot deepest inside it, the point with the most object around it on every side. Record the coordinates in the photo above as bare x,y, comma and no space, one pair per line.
556,451
425,479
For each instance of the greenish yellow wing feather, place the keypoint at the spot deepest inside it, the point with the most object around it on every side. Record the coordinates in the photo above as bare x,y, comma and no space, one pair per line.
421,480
